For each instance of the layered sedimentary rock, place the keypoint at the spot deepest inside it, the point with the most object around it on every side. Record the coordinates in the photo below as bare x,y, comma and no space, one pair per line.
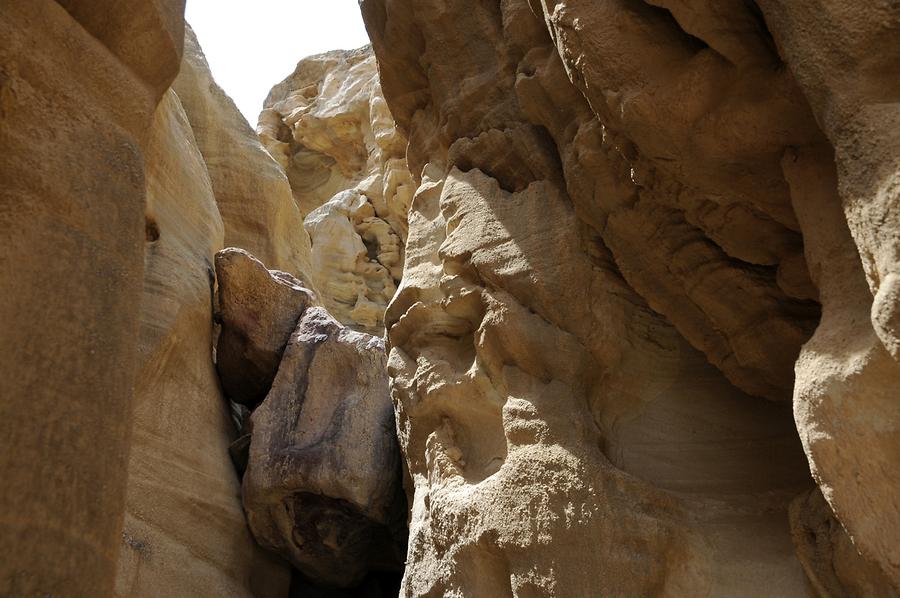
628,223
184,531
329,127
252,192
209,182
79,85
643,231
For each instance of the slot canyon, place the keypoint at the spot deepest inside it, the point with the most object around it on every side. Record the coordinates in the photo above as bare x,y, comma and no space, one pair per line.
532,298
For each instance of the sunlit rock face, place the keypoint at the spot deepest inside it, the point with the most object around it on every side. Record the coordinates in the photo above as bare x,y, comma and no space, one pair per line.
329,127
641,234
252,192
209,181
184,532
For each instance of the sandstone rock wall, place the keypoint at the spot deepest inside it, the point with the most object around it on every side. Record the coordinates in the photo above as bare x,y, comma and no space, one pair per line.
252,192
185,532
79,85
642,265
329,127
628,223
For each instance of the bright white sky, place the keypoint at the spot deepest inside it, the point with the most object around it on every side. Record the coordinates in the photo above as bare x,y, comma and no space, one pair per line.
253,44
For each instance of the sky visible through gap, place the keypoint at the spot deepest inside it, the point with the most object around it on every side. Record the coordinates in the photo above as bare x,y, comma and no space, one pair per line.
252,45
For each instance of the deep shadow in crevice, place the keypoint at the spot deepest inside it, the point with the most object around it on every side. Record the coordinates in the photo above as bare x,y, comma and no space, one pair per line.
378,584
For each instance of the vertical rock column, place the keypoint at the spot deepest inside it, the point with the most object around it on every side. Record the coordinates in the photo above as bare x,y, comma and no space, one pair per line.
79,83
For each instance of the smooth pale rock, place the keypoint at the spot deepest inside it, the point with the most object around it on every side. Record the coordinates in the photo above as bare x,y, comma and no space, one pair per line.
258,309
322,486
79,84
328,125
185,533
252,192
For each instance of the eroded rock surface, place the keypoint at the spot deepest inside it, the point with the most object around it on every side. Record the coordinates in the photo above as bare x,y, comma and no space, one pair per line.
258,309
79,86
329,127
322,485
184,533
628,233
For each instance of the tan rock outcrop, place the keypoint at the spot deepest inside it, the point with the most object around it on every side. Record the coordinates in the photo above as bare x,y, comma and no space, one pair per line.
184,533
252,192
79,85
628,223
258,310
846,57
641,262
329,127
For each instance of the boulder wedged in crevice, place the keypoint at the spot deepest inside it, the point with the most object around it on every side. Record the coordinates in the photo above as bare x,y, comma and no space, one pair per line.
318,452
323,476
257,309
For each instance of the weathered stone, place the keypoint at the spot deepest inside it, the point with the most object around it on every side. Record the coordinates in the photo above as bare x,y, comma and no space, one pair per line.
252,192
328,125
258,309
185,533
79,85
607,188
322,484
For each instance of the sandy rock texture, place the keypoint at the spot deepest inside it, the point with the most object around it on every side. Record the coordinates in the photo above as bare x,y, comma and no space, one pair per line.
848,377
329,127
79,85
184,533
644,230
252,192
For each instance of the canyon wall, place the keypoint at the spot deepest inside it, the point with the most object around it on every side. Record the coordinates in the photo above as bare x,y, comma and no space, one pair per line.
329,127
616,281
79,85
642,233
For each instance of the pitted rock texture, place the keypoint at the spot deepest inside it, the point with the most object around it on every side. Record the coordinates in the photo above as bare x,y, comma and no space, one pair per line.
329,127
258,309
630,251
